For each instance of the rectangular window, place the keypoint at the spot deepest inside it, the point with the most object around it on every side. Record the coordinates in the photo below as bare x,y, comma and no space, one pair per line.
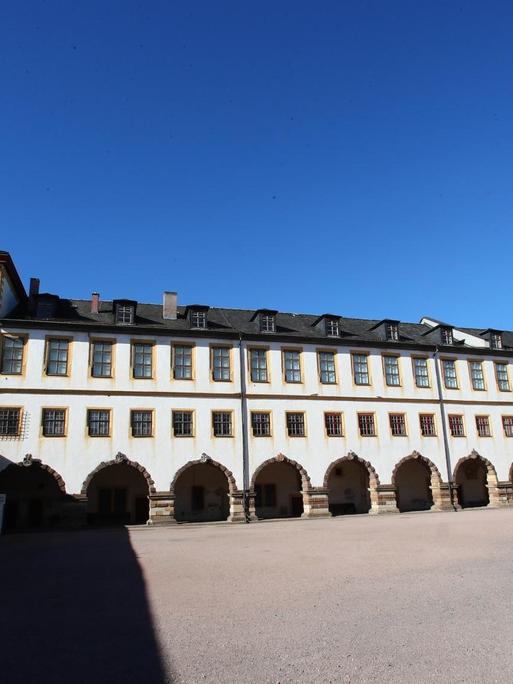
392,331
54,422
10,422
182,424
446,335
142,423
483,426
427,425
98,422
366,425
327,373
333,424
102,360
258,359
222,423
57,357
12,355
360,369
292,365
397,424
296,424
267,323
142,360
261,424
501,372
507,424
420,369
332,329
199,319
182,362
456,426
391,365
125,314
449,372
221,364
496,340
476,374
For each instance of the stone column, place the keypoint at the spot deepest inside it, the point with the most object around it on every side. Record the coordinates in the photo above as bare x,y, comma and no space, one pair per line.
252,508
315,503
493,489
237,507
505,493
386,499
441,496
162,509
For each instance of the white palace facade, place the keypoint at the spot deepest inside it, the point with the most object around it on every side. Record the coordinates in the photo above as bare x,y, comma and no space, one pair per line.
123,412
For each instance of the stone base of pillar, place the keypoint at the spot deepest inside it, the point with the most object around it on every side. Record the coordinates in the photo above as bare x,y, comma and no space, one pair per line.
162,509
442,498
315,503
505,494
386,500
237,514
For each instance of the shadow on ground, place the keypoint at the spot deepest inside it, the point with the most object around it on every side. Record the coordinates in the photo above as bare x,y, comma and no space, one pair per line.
74,608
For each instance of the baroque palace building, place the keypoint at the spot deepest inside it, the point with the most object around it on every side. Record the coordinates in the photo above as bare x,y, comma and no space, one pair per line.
124,412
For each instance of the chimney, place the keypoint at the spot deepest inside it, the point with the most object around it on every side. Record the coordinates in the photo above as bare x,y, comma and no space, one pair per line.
169,306
95,302
34,287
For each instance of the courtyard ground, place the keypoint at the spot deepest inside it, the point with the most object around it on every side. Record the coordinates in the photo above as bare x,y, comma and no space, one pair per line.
402,598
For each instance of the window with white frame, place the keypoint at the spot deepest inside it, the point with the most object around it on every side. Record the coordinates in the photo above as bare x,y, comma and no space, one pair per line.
221,371
182,362
125,314
332,327
182,424
501,372
292,365
258,361
427,425
198,319
483,426
101,366
327,374
449,373
476,374
267,322
222,423
53,422
391,365
261,423
98,422
295,424
142,360
360,369
420,367
333,424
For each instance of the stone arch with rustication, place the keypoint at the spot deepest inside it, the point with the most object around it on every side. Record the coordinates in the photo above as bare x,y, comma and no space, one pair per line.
30,461
232,487
439,501
491,475
119,459
306,484
373,476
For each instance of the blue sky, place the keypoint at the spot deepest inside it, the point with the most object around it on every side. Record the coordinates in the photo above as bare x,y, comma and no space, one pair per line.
350,157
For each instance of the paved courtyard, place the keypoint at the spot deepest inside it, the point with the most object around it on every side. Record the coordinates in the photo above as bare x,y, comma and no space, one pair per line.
405,598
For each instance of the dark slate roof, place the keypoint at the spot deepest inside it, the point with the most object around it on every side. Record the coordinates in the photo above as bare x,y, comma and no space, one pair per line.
76,313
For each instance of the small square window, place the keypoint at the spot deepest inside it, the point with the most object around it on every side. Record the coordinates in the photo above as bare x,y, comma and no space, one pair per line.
261,424
125,314
199,319
483,426
142,423
222,423
296,424
456,426
182,424
98,422
507,424
54,422
10,422
366,425
397,424
427,425
333,424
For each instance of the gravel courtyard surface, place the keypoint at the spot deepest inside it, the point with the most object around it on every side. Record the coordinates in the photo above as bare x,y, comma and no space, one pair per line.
401,598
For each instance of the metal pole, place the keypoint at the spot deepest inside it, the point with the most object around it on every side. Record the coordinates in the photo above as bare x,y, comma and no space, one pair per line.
245,441
444,429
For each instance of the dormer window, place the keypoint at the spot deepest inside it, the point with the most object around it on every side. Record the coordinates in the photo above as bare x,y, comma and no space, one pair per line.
267,323
332,329
125,314
446,336
495,340
198,319
392,331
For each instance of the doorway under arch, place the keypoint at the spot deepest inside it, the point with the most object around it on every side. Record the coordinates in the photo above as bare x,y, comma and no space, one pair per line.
475,477
202,492
279,486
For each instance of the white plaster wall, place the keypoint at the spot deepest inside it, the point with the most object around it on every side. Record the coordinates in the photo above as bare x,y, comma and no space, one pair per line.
75,456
